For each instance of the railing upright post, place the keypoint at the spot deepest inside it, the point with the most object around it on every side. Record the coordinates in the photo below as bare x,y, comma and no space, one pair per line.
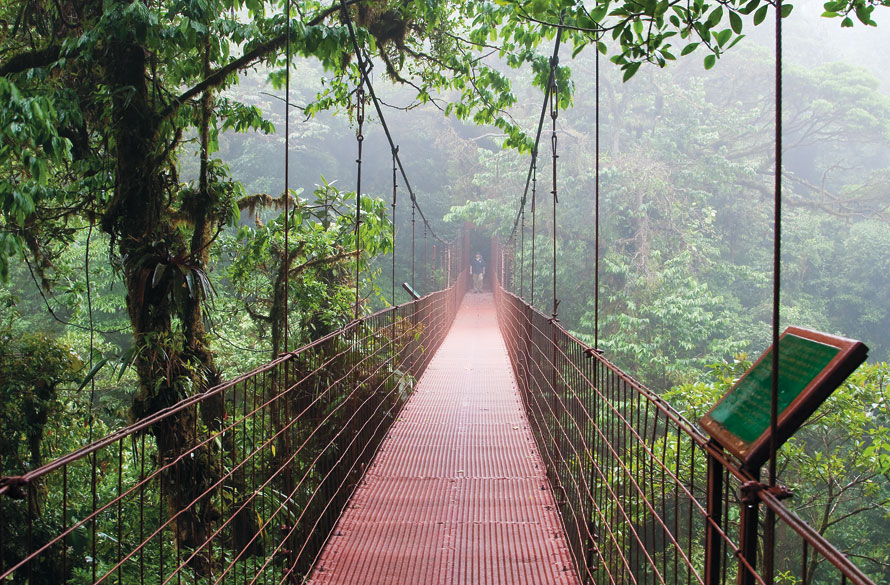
591,475
713,540
413,340
529,314
748,524
555,415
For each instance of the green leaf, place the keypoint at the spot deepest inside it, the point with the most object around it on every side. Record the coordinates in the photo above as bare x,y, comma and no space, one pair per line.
92,373
786,10
750,7
735,41
630,70
598,13
735,21
710,60
578,49
760,14
862,13
723,36
688,49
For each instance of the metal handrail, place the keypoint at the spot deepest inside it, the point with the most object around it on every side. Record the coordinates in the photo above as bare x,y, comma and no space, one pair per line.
644,495
258,493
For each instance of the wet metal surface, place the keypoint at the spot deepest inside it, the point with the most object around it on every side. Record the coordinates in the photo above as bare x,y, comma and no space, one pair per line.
457,493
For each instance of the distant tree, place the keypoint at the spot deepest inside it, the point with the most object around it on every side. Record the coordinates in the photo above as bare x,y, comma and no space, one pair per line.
320,265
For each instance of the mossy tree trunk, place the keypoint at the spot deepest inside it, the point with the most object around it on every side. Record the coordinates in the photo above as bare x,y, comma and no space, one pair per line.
172,356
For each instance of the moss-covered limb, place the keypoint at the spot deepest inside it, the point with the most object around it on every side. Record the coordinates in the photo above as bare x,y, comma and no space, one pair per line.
30,59
259,53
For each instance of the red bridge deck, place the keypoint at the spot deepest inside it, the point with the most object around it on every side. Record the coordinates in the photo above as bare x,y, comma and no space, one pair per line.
457,493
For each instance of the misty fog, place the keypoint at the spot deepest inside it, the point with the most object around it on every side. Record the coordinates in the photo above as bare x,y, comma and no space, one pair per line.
686,172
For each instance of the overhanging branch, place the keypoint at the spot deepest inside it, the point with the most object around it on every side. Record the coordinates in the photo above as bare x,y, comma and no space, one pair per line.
30,60
218,77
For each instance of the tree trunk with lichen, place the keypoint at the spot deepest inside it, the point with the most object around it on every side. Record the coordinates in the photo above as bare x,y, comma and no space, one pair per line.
168,368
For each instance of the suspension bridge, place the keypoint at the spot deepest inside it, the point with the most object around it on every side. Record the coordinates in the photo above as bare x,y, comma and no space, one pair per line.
507,451
453,439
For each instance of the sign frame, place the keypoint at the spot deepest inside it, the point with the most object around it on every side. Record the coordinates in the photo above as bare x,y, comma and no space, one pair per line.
754,453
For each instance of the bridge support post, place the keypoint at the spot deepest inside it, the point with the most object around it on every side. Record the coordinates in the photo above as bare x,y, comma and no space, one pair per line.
713,540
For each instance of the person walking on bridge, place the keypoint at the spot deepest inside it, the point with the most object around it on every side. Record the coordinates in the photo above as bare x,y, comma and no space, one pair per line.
477,269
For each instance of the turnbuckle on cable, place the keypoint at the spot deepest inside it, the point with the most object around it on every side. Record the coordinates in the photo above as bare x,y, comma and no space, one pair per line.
360,111
554,88
554,114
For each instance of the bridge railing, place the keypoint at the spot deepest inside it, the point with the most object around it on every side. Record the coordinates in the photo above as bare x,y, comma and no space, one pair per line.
645,498
241,484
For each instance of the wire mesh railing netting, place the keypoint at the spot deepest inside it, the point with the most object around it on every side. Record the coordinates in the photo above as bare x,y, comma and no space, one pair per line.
644,496
241,484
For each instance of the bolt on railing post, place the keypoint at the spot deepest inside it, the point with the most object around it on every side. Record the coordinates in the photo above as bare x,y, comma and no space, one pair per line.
713,556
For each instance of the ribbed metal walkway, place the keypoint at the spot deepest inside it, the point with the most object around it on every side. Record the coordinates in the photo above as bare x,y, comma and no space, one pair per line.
457,493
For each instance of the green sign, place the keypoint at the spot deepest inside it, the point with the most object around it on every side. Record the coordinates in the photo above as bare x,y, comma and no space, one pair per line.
745,410
811,366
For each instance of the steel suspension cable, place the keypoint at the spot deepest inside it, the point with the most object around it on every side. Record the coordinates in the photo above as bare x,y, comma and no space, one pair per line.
554,114
287,222
522,254
777,248
534,216
770,520
596,206
528,178
591,544
362,63
360,139
93,490
287,52
395,185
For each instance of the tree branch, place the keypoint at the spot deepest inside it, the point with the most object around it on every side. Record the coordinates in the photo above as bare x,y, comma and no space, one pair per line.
30,60
256,316
260,52
320,261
